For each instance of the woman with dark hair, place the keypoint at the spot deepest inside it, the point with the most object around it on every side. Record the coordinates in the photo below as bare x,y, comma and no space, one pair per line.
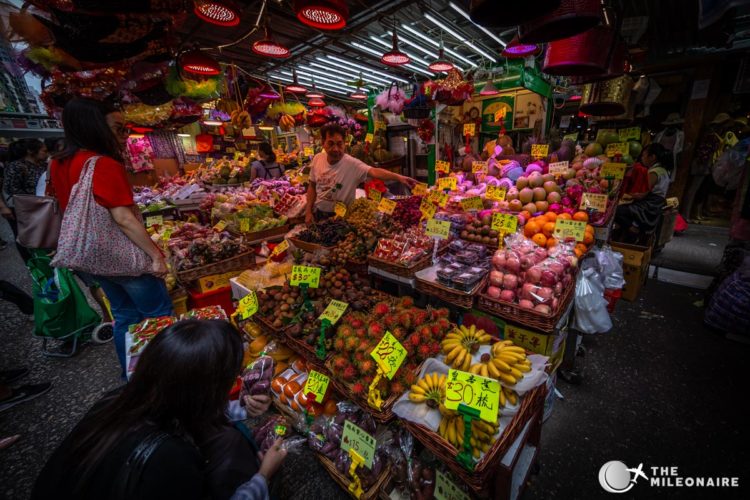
95,135
266,167
165,434
640,213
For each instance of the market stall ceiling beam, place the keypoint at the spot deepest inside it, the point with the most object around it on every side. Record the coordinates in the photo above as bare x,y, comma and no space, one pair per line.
458,36
465,14
350,74
360,67
437,45
339,75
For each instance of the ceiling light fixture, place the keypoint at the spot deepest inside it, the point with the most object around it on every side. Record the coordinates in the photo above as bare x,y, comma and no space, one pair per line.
212,123
295,87
266,124
364,68
466,15
458,37
313,93
267,92
489,88
198,63
316,103
322,14
217,12
437,45
519,50
183,135
410,56
395,57
441,64
269,47
359,95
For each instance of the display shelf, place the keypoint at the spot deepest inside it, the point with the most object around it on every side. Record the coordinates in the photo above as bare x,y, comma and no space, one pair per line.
400,280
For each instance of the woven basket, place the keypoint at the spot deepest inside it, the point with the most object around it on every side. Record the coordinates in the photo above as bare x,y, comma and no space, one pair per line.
482,479
581,54
450,295
306,246
237,263
266,325
532,319
375,490
570,18
306,351
618,65
267,234
490,13
607,98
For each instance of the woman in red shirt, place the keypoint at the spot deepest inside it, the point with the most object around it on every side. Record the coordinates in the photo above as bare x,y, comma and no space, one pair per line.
94,129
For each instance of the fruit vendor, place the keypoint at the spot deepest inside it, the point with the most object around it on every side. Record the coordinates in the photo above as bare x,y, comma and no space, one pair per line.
335,175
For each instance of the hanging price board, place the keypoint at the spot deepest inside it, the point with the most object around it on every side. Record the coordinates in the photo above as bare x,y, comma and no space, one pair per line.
334,311
440,229
479,166
539,151
305,275
339,209
472,203
476,392
419,189
374,195
220,226
442,166
154,220
470,129
389,354
616,170
427,208
248,305
280,248
627,134
368,138
558,168
358,440
244,223
504,223
308,151
438,197
617,148
317,383
386,206
595,201
495,193
565,229
573,137
445,489
447,183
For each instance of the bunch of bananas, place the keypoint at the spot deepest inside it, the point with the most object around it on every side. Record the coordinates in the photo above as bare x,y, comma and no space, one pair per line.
240,119
286,123
510,361
508,395
482,433
461,343
430,389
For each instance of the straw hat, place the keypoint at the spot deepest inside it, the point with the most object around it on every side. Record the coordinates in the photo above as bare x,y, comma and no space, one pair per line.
673,119
720,118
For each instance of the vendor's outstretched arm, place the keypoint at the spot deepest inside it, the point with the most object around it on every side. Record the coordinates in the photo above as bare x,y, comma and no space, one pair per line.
387,175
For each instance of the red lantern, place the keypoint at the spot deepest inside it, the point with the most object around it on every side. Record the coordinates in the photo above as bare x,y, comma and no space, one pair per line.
322,14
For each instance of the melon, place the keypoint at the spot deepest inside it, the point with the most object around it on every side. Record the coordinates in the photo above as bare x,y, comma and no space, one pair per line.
526,195
635,148
627,159
607,138
593,149
536,180
540,194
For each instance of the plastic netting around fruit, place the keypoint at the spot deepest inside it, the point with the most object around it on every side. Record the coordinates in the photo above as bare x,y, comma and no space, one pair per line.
256,379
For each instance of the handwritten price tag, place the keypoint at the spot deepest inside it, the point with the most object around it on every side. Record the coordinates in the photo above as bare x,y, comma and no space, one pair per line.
317,383
375,195
244,224
617,148
339,209
419,189
355,438
479,166
495,193
630,133
442,166
573,137
500,114
539,151
389,354
479,393
220,226
334,311
440,229
616,170
386,206
558,168
368,138
439,197
280,248
248,305
154,220
447,183
594,200
305,275
427,208
470,129
445,489
472,203
505,223
565,229
308,151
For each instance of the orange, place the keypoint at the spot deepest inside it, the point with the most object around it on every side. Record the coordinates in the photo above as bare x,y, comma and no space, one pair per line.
581,216
526,214
564,216
551,242
548,229
580,247
589,228
531,228
578,253
539,239
551,216
329,408
294,405
588,238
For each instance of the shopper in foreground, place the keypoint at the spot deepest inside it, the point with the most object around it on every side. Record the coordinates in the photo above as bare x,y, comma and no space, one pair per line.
149,440
95,136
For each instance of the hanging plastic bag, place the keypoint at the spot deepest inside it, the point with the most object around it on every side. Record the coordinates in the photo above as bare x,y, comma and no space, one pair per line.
609,266
591,314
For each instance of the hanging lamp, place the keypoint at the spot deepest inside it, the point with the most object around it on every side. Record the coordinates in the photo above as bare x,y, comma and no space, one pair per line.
314,93
267,92
295,87
489,88
197,62
441,64
316,102
217,12
269,47
517,50
359,95
322,14
395,57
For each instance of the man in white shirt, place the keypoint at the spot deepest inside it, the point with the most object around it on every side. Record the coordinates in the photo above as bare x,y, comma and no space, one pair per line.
335,175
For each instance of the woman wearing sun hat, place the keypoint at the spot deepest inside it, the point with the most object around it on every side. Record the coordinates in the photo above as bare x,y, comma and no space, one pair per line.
672,138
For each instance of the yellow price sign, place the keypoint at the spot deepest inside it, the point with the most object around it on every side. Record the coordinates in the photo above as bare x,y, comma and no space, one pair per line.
386,206
244,224
305,275
472,203
220,226
470,129
629,133
427,208
539,151
334,311
380,125
565,229
389,354
495,193
615,170
439,197
617,148
504,223
595,201
445,489
476,392
558,168
280,248
442,166
419,189
440,229
374,195
500,114
154,220
248,305
308,151
368,138
479,166
447,183
355,438
572,137
339,209
317,383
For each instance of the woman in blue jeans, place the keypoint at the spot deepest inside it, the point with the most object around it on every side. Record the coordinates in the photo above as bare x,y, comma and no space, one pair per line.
93,128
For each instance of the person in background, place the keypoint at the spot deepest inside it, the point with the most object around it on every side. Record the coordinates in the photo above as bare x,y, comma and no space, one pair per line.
266,167
4,209
335,175
93,128
174,408
54,146
28,160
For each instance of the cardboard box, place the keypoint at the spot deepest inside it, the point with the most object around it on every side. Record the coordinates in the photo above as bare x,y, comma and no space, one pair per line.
635,262
215,281
546,344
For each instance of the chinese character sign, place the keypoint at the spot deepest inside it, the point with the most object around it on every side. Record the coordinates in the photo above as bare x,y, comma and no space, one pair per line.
389,354
479,393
